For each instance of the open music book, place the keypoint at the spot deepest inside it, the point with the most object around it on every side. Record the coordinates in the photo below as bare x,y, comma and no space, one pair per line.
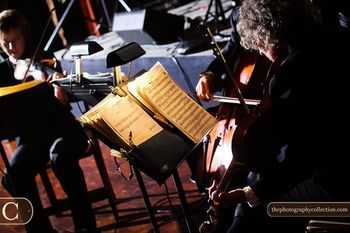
121,113
151,111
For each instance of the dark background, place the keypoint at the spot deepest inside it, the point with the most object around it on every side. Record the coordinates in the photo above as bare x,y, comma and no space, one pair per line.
75,23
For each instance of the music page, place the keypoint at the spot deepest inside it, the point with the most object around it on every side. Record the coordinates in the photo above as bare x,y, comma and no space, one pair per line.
93,119
127,119
167,97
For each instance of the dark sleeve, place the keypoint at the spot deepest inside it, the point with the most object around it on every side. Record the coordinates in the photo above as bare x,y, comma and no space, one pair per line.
280,147
308,137
6,75
283,159
306,127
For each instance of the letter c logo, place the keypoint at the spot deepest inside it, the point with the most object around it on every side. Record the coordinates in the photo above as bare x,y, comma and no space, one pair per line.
5,214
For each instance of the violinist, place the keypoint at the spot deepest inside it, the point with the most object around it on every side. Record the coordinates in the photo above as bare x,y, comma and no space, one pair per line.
297,151
55,136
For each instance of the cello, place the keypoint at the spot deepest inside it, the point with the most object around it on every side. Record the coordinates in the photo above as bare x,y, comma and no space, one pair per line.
218,163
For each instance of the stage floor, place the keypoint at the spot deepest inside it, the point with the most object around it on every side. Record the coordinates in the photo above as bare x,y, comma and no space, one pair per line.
133,216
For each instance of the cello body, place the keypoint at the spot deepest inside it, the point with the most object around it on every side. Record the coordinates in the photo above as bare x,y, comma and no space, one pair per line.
220,168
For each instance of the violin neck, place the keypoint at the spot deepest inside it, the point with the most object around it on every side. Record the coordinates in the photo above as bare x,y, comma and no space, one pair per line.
44,69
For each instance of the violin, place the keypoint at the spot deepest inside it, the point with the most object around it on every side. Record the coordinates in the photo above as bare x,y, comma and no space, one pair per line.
25,69
30,68
221,169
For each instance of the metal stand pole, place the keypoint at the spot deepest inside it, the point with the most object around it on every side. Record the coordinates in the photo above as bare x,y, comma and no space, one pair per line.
219,14
148,204
106,14
185,208
59,25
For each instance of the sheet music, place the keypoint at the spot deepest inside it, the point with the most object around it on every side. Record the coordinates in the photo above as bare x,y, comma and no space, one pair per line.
174,104
127,118
93,119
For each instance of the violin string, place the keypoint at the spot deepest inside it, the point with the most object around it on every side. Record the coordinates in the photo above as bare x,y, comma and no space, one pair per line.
38,46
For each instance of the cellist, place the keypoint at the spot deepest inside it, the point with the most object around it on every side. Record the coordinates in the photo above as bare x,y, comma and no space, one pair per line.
295,149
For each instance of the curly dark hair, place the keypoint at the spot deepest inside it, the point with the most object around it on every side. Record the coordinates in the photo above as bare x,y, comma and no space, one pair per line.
269,23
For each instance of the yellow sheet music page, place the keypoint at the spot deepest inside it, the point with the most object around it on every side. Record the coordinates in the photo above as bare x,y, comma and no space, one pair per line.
134,90
127,118
165,95
93,119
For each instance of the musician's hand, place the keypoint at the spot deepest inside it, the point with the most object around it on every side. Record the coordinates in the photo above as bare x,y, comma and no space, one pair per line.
212,190
56,75
232,197
22,71
38,75
60,94
204,86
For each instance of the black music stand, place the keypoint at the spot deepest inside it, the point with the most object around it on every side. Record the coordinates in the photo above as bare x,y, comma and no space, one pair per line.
137,169
181,194
121,56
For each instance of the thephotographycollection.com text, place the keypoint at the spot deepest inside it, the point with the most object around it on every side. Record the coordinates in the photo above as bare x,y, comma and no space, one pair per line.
309,209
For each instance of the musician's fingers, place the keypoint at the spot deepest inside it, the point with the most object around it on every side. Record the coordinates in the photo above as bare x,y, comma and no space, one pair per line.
232,198
203,90
206,91
38,75
57,75
206,85
199,87
199,92
213,195
212,187
49,79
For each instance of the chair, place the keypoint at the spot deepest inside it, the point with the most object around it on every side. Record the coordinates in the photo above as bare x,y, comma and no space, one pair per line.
18,97
57,206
